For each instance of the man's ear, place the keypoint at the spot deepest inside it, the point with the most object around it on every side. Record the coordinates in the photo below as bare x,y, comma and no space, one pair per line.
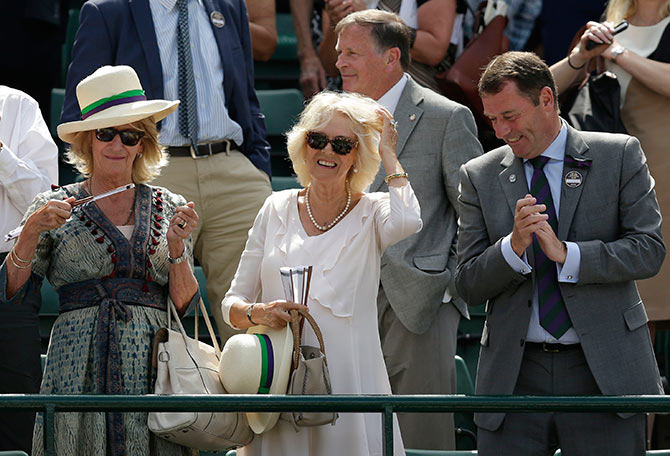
392,56
547,97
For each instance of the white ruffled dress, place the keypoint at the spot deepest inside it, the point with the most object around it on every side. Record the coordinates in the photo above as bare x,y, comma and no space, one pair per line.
343,301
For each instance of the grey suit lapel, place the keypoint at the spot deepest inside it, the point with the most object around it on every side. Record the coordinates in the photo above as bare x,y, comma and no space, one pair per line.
407,114
575,147
512,180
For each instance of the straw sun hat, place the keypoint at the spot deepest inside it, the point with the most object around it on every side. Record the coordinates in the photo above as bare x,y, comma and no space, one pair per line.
258,362
110,97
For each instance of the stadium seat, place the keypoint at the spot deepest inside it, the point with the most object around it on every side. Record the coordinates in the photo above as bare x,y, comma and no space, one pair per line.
465,428
13,453
48,313
649,453
281,108
188,320
67,174
410,452
57,98
469,334
464,383
284,182
283,69
66,52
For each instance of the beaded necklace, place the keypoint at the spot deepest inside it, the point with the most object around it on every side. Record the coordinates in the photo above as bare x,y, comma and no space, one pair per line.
337,219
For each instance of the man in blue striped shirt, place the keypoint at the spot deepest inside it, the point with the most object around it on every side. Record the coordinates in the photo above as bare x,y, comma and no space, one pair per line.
221,161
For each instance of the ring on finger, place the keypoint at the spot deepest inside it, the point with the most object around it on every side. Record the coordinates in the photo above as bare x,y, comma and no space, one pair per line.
394,123
182,223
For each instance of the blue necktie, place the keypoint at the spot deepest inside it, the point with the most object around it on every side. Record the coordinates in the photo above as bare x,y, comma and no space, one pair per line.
553,314
188,108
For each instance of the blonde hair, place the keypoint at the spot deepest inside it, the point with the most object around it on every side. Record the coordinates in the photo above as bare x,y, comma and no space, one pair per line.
618,10
146,167
366,124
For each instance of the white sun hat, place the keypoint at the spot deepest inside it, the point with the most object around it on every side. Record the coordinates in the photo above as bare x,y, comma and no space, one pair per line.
258,362
110,97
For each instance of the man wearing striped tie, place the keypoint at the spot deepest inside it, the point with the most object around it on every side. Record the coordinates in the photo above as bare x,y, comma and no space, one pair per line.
197,51
555,228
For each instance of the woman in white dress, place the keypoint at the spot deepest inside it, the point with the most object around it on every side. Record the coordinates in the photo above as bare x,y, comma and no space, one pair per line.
331,224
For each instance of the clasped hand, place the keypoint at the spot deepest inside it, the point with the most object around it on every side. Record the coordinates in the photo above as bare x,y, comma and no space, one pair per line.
529,219
48,217
274,314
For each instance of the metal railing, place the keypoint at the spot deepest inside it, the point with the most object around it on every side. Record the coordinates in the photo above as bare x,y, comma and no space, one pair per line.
386,405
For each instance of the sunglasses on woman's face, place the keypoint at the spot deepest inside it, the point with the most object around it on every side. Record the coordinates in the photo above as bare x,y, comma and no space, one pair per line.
341,144
128,137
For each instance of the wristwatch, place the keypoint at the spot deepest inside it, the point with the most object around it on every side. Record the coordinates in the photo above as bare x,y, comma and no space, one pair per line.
617,51
181,258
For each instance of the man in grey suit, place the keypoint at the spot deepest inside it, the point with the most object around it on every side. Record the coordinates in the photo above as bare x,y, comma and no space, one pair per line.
555,228
418,307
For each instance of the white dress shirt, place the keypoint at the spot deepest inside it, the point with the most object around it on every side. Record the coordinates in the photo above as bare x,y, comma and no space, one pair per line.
391,98
28,158
213,120
569,271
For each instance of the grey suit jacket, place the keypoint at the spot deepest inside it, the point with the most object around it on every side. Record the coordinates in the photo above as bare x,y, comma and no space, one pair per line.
614,218
435,137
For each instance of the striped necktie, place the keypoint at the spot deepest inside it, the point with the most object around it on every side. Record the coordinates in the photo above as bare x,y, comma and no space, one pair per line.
188,108
392,6
553,313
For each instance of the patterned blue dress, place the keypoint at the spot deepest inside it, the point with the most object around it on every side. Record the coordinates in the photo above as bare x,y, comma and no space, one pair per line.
112,298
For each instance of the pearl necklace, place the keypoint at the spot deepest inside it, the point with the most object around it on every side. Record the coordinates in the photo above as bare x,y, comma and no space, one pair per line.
337,219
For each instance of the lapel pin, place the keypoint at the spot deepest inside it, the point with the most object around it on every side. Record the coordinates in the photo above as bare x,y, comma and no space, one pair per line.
573,179
512,178
412,117
217,19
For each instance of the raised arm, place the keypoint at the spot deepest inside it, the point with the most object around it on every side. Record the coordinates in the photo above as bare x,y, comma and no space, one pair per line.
312,74
263,28
433,35
44,215
181,281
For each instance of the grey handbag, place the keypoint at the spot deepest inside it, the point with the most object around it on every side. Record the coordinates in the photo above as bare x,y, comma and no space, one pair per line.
188,366
310,373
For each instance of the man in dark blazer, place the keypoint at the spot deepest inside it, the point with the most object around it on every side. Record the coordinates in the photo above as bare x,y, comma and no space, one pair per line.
227,175
554,229
418,306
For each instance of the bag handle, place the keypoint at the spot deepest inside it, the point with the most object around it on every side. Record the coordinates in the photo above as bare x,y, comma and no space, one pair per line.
295,328
172,311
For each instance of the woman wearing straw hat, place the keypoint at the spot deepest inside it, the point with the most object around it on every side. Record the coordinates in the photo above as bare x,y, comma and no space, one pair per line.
113,262
336,148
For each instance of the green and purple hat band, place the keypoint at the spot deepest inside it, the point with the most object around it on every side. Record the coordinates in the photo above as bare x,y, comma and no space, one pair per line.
128,96
267,363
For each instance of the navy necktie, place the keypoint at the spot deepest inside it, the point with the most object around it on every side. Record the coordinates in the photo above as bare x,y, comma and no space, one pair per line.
188,108
553,314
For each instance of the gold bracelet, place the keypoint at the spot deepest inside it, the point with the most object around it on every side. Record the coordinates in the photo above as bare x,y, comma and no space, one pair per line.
395,176
18,258
11,257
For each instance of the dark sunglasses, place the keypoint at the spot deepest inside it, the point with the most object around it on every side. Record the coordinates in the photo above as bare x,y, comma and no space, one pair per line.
341,144
128,137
